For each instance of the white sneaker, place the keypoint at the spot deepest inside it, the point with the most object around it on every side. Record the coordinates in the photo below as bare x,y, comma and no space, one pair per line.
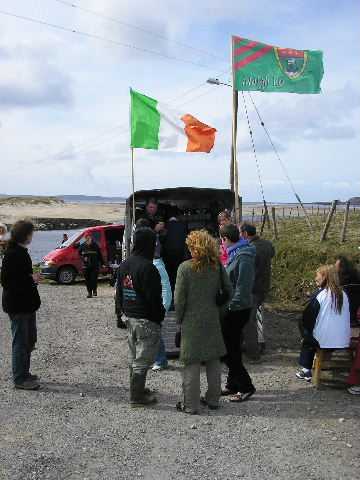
157,368
354,390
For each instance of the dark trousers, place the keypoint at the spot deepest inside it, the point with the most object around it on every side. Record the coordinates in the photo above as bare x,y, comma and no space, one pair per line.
307,352
91,279
172,264
24,336
232,326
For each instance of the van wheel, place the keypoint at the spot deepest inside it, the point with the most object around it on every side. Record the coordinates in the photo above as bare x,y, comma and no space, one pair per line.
66,275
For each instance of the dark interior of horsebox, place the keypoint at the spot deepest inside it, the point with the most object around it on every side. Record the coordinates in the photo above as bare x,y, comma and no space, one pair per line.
114,237
193,218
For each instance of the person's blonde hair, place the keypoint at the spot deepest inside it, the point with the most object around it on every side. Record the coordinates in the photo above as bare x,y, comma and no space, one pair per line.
204,250
332,283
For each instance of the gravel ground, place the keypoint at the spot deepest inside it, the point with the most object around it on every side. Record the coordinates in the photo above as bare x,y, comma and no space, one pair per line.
79,425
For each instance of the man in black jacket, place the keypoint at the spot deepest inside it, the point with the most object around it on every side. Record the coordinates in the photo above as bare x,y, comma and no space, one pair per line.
92,258
139,296
20,300
254,330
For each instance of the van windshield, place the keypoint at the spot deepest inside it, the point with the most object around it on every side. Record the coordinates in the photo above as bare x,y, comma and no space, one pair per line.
71,240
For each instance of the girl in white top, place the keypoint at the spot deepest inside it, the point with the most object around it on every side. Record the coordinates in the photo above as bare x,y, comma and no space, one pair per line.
326,319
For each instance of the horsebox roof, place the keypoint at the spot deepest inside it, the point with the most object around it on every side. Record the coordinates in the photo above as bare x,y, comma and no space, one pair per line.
186,196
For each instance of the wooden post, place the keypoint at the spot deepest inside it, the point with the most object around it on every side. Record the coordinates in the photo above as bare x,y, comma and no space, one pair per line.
318,211
267,217
253,215
263,220
283,212
346,218
273,214
328,221
298,212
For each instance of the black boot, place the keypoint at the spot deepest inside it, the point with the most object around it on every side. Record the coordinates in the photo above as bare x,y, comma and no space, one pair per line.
139,396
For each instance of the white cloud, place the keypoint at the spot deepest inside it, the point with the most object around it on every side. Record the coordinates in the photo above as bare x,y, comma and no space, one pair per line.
52,71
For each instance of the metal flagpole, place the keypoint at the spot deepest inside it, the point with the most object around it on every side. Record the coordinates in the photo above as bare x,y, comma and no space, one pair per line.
234,172
133,186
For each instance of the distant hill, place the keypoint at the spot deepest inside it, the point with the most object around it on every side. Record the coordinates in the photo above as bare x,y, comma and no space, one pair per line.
14,199
90,199
28,200
354,201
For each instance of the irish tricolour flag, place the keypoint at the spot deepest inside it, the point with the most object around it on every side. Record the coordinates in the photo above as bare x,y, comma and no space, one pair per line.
158,127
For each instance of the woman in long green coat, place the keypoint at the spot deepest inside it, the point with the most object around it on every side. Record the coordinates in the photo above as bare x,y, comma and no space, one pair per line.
198,284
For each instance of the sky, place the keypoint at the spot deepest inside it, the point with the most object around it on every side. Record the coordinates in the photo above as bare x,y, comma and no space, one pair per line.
64,97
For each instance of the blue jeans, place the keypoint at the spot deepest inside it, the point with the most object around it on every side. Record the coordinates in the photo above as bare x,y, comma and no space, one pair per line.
24,336
161,358
308,351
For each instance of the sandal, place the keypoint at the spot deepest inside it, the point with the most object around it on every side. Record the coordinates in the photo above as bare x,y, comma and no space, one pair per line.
241,397
180,407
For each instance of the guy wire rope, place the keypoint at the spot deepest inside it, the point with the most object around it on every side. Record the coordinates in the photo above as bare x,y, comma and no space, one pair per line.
266,212
281,163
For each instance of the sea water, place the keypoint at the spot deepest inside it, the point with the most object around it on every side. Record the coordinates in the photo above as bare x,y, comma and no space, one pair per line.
45,241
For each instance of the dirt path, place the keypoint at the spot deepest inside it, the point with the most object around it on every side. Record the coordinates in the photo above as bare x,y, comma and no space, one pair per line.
79,426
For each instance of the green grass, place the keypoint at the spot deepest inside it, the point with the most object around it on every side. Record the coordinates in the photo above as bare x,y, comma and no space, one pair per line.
299,254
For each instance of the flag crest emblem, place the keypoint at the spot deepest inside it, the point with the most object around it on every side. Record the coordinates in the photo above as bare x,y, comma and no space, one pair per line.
292,62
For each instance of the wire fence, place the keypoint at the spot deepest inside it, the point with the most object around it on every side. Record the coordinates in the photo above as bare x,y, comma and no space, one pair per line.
328,222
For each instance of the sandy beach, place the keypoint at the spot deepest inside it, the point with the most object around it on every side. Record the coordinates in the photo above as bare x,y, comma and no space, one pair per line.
105,212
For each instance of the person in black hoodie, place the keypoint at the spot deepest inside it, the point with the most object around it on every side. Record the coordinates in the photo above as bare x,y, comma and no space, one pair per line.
21,300
92,258
139,295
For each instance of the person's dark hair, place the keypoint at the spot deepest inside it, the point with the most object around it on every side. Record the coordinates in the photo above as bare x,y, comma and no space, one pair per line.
248,228
144,243
231,232
151,200
21,231
346,271
143,223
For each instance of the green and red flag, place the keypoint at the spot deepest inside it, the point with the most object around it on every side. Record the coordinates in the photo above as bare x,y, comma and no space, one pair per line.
266,68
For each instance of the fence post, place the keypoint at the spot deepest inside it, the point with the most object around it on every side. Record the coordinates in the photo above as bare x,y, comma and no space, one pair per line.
328,221
263,221
346,218
273,214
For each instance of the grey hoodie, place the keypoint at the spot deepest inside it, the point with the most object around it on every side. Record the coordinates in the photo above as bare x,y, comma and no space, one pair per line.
241,270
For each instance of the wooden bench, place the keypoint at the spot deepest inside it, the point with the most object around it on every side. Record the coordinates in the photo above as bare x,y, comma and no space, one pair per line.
335,360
